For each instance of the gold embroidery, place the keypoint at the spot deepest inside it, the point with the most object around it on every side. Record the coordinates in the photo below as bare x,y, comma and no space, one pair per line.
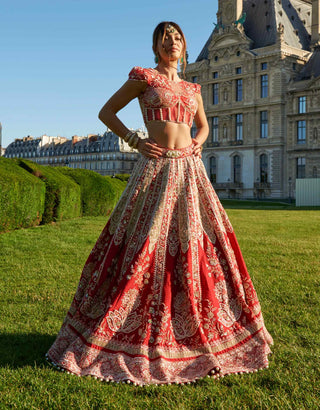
163,281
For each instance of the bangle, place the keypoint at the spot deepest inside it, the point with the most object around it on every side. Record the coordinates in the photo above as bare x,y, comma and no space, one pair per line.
131,139
128,135
136,142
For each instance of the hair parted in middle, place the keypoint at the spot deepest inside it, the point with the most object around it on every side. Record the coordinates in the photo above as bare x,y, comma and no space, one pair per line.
160,32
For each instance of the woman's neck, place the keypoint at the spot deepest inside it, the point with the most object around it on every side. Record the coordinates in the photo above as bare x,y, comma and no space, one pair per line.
169,69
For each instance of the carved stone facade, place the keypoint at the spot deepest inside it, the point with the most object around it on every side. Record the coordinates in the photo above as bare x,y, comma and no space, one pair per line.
260,77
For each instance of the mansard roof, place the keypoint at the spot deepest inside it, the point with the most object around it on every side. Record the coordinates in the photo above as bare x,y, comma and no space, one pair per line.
312,67
263,18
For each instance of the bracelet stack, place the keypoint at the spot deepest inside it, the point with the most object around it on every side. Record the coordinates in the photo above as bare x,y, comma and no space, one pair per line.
132,139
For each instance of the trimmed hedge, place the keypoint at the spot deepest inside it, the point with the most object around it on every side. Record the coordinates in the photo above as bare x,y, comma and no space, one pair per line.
22,197
98,193
123,177
63,197
118,185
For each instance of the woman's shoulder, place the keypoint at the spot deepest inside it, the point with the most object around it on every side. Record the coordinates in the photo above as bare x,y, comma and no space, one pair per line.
193,86
140,73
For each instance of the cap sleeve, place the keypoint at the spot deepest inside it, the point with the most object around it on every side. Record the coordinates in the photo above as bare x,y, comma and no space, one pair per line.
197,88
138,73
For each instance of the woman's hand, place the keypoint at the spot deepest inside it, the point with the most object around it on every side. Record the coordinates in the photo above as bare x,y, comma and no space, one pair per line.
197,148
149,148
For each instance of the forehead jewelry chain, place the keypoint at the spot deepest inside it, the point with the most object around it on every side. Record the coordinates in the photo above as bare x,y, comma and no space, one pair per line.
170,29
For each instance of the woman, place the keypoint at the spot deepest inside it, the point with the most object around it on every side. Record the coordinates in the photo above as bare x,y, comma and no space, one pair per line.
165,296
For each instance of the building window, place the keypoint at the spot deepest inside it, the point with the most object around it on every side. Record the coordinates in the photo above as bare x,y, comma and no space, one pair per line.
264,86
215,93
215,129
236,169
239,127
213,169
301,167
302,105
238,70
239,89
194,79
263,168
301,132
215,74
264,66
263,124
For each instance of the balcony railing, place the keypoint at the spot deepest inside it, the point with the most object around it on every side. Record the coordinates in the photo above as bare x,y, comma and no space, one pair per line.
236,142
262,185
212,144
228,185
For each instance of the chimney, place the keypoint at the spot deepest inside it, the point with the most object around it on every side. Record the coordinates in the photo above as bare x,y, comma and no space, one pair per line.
229,11
315,26
75,139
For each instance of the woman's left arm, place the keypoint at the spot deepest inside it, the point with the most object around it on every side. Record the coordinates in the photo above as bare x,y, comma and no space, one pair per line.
201,122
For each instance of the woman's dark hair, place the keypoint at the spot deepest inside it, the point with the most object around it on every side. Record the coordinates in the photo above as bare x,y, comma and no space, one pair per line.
160,32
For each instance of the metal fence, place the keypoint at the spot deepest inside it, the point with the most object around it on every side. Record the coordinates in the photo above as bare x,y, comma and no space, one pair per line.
308,192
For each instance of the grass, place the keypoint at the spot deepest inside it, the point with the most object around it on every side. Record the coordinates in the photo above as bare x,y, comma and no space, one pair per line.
39,271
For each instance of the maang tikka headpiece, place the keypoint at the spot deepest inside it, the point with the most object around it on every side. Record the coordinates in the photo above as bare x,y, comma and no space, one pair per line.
170,29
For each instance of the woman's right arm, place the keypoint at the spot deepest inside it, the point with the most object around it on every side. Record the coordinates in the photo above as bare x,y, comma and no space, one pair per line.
130,90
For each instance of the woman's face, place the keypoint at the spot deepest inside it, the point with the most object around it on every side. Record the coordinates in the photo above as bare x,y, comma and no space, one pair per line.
172,46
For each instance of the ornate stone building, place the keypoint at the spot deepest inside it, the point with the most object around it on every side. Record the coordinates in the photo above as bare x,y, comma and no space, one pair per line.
2,150
260,77
106,154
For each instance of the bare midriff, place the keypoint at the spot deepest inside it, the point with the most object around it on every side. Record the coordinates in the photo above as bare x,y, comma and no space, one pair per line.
169,134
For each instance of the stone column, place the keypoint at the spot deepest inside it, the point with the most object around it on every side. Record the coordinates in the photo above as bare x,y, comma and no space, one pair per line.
229,11
315,25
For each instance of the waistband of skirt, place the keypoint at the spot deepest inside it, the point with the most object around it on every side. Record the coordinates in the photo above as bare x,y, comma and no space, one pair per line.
177,152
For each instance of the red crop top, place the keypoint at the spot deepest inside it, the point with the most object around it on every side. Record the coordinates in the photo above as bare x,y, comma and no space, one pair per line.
166,100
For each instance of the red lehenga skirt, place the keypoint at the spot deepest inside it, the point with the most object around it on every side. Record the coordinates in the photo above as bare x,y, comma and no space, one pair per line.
165,296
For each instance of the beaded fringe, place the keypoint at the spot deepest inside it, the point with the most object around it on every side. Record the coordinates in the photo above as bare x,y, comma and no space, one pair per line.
215,373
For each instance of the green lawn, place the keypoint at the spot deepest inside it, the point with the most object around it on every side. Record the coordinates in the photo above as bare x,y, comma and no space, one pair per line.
39,271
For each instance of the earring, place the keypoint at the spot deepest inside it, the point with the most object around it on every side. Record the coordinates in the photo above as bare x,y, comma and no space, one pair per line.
156,59
181,60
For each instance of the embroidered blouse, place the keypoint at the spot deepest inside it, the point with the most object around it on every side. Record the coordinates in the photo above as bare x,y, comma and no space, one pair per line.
164,99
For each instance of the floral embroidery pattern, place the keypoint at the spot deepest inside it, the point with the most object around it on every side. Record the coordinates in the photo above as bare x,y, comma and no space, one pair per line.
165,100
165,295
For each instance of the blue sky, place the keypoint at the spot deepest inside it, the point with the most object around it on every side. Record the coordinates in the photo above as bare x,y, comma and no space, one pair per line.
62,59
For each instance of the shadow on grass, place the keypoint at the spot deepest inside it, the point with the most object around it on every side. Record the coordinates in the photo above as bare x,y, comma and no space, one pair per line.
20,350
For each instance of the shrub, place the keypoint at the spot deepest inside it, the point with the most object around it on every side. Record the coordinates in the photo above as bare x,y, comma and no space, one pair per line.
98,193
22,197
123,177
63,198
118,185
